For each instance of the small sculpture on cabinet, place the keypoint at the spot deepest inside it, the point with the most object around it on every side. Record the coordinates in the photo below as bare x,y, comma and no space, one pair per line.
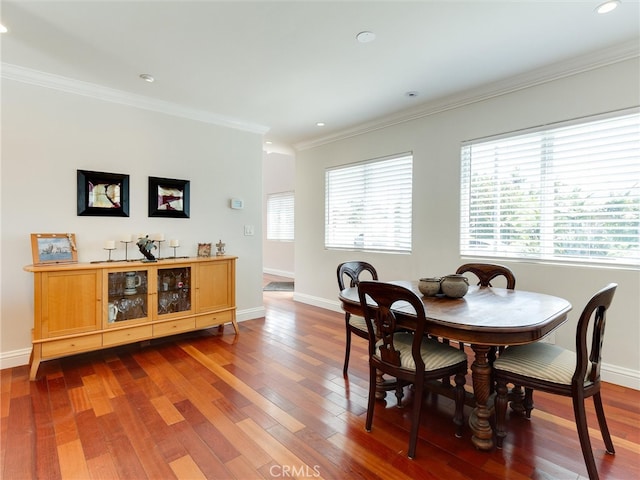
145,244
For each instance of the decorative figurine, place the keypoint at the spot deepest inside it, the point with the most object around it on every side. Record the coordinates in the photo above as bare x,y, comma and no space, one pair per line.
146,245
220,248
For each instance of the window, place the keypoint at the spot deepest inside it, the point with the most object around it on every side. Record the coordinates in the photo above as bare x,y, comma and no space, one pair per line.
280,216
570,192
368,205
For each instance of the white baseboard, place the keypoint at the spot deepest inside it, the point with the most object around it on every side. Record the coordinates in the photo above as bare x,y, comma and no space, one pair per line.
15,358
279,273
250,314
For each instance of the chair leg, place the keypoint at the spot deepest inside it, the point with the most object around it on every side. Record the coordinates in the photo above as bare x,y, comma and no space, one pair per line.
528,402
415,417
372,398
583,435
458,417
347,350
501,411
602,421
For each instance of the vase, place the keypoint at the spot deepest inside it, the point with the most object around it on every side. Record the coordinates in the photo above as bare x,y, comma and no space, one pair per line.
454,286
429,287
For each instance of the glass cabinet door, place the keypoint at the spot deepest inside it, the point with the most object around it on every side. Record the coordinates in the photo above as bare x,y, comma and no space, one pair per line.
174,290
128,295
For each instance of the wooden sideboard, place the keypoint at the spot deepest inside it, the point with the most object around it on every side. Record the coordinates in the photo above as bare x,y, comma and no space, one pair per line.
89,306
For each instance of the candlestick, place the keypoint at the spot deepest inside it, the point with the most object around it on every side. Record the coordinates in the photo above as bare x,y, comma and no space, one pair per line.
109,245
159,245
174,243
126,241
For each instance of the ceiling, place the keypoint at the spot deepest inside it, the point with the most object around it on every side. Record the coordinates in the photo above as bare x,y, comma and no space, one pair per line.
281,67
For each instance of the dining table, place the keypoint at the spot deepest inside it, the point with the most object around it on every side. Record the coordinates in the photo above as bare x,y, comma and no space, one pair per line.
484,318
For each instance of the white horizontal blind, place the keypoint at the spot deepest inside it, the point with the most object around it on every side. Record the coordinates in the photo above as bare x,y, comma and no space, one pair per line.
569,193
368,205
280,216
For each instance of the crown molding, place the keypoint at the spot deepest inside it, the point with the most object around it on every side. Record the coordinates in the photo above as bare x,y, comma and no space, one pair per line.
549,73
77,87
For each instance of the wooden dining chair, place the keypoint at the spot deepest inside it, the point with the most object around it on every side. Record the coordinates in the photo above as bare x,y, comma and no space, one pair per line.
351,271
412,358
486,272
553,369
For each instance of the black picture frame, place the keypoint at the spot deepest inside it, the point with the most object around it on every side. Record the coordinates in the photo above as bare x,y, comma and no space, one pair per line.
169,197
102,194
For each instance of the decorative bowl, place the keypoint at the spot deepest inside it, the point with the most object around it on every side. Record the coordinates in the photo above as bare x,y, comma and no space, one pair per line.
454,286
429,287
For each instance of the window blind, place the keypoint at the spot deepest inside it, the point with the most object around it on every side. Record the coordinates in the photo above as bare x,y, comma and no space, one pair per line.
569,192
280,216
368,206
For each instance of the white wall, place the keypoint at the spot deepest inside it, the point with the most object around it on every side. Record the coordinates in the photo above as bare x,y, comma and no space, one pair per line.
435,142
278,176
48,134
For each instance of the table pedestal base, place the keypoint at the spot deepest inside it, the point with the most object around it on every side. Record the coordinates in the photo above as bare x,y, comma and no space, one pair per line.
482,433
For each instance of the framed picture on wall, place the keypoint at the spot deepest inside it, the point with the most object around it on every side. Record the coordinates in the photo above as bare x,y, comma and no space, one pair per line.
103,194
54,248
168,197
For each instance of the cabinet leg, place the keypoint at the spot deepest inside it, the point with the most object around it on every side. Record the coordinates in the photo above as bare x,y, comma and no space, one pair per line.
34,361
235,326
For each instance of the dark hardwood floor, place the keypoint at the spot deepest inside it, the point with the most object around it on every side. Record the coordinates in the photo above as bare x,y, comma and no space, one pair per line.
271,403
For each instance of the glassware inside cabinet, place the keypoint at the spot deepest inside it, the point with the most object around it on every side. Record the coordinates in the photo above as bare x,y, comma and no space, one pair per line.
174,290
127,295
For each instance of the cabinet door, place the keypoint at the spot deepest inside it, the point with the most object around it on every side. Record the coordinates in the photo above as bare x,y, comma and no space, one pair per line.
215,286
127,292
71,302
174,291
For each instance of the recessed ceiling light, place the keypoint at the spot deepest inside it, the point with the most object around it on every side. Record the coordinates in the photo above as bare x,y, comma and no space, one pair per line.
320,124
366,37
3,29
608,6
147,78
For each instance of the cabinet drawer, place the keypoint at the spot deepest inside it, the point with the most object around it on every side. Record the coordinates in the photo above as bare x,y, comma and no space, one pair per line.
174,326
125,336
71,345
213,319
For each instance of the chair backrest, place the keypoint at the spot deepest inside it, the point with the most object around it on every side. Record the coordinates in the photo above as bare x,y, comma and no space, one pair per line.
593,316
352,271
378,300
487,272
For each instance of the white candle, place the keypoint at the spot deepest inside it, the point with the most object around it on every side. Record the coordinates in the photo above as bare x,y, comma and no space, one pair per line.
174,243
125,238
110,244
160,237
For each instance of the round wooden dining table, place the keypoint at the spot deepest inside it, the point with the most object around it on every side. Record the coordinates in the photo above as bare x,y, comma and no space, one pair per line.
484,318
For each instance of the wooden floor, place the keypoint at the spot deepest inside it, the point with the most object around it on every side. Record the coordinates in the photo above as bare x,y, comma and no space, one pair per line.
271,403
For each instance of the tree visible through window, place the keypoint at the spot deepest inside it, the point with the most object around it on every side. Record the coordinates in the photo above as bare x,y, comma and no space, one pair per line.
280,216
569,193
368,205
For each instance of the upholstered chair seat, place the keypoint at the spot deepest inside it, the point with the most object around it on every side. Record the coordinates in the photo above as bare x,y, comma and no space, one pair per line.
542,361
434,354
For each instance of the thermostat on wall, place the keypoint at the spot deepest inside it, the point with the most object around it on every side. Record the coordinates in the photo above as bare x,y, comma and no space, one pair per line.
237,204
